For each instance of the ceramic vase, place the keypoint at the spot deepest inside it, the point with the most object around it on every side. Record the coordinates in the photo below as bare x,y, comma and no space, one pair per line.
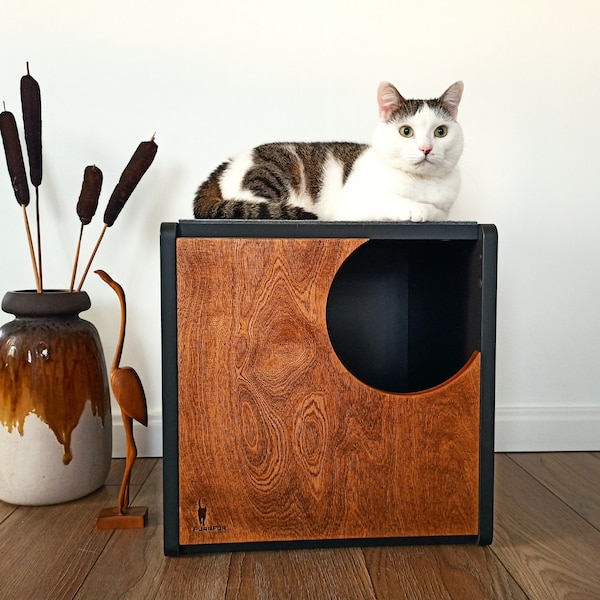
55,419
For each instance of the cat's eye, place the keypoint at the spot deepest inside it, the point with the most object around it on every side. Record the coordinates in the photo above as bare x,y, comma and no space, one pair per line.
406,131
441,131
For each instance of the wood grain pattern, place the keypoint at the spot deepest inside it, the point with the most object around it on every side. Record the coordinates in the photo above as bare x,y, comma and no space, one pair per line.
300,574
277,440
131,558
574,477
129,564
133,565
51,549
552,551
440,572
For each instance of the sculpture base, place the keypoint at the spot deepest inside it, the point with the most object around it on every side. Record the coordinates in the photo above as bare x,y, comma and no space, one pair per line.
134,517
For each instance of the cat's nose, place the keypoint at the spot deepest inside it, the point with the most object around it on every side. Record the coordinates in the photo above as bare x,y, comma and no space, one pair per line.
425,150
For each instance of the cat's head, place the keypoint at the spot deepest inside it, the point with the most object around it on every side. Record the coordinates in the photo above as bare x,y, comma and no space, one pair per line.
421,137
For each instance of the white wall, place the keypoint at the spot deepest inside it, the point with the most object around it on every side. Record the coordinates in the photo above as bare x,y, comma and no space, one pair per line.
214,78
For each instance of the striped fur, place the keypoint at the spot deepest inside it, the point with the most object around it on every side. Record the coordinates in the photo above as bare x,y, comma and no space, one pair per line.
397,177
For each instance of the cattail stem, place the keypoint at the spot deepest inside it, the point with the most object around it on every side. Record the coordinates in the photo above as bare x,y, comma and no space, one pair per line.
39,237
92,257
38,283
76,259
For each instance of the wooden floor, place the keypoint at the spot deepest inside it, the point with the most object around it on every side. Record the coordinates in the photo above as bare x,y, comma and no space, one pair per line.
546,547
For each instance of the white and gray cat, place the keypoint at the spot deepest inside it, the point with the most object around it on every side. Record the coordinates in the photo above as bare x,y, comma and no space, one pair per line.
408,173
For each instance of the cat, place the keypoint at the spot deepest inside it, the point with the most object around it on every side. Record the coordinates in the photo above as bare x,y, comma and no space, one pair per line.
408,173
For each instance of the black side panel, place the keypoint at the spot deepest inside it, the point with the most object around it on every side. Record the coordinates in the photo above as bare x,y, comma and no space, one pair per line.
488,246
168,239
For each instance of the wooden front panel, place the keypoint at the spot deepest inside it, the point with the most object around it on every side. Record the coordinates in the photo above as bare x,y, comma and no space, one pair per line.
277,440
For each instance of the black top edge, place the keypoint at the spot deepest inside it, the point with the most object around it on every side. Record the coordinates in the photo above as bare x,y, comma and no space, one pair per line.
463,230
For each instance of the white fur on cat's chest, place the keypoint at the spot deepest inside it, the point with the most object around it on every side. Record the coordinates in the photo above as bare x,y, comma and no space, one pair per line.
375,191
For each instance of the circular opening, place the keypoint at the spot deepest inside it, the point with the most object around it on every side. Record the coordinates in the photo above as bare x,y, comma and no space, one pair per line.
398,315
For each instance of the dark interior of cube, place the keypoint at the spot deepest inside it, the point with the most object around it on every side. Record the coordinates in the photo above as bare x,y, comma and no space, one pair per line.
404,315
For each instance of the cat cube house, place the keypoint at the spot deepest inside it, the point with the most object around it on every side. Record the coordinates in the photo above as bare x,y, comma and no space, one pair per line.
327,384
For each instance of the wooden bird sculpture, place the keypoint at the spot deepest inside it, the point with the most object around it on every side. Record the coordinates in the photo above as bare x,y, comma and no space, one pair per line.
129,394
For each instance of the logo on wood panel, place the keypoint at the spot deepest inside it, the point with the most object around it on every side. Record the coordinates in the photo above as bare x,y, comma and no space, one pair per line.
201,513
202,526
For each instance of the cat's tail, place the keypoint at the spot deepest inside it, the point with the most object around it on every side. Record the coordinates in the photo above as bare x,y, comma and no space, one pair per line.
243,209
210,204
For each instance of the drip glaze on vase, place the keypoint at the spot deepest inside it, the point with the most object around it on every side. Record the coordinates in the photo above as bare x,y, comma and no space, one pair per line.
55,420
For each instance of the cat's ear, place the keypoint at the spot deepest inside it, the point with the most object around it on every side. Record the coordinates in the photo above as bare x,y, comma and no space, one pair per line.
389,99
451,98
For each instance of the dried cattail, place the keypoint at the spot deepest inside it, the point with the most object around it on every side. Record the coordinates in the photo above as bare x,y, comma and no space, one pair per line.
32,121
90,193
31,104
133,172
14,157
18,177
86,207
136,167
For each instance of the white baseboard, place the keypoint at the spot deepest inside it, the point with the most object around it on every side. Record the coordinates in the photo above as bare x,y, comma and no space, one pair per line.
547,429
518,429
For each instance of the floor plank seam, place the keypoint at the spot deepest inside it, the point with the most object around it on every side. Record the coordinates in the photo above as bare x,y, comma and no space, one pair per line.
371,581
551,491
9,513
508,570
92,566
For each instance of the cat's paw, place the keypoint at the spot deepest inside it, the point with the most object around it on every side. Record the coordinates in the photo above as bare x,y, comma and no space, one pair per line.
426,212
405,215
418,214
